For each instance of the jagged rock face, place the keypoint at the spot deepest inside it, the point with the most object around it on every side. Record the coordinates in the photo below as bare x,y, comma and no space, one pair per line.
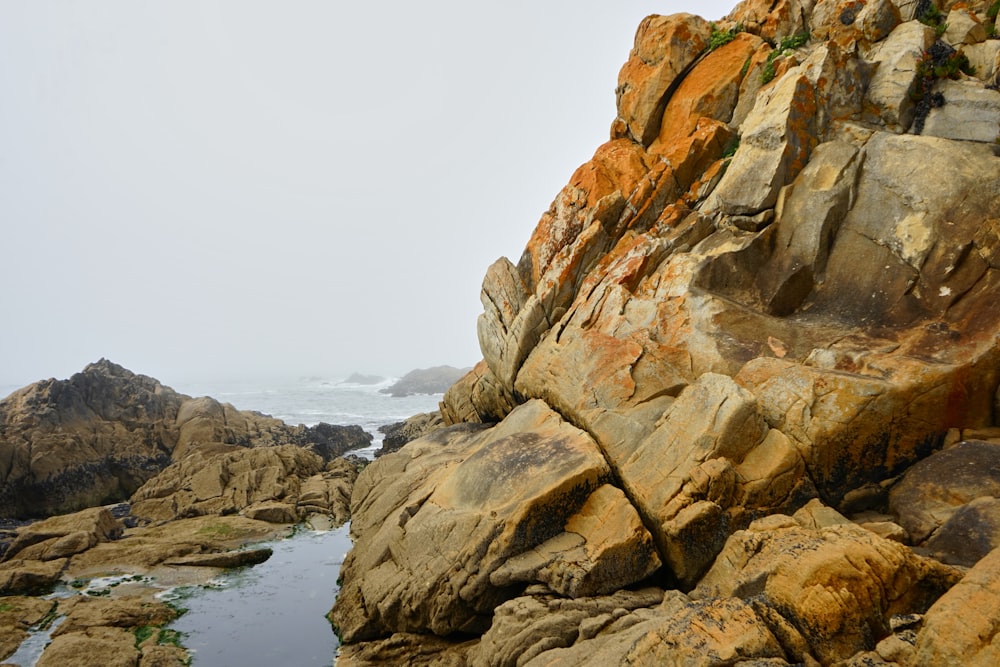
282,484
776,281
97,437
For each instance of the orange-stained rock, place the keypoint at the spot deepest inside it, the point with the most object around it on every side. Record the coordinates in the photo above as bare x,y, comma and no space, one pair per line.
597,189
664,47
709,90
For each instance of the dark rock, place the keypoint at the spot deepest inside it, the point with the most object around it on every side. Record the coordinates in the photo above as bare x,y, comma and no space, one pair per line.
935,488
331,440
400,433
972,532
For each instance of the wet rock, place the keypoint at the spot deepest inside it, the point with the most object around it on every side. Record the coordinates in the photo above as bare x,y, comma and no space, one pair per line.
228,559
17,615
95,647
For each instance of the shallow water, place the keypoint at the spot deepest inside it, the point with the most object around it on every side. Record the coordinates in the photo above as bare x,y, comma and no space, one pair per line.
269,614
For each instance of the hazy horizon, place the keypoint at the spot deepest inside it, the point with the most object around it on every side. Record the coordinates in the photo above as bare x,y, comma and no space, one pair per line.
241,189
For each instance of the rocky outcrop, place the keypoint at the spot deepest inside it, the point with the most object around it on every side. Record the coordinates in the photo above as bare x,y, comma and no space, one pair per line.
282,484
97,437
760,305
462,503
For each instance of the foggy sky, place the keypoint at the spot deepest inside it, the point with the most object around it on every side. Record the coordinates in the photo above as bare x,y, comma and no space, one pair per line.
227,189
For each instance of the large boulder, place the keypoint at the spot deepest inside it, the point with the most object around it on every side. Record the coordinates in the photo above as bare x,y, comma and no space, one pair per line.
950,502
457,505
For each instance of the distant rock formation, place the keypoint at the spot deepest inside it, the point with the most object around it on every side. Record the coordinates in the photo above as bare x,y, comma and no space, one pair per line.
434,380
712,385
360,378
97,437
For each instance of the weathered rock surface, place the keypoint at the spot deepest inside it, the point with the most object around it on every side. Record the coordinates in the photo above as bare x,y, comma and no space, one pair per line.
65,535
104,632
264,481
961,628
763,296
836,587
96,438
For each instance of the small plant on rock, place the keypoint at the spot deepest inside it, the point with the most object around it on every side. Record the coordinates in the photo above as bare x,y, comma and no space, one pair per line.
722,37
991,19
784,45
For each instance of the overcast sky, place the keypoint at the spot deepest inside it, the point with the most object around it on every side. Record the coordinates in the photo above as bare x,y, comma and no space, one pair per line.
226,189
